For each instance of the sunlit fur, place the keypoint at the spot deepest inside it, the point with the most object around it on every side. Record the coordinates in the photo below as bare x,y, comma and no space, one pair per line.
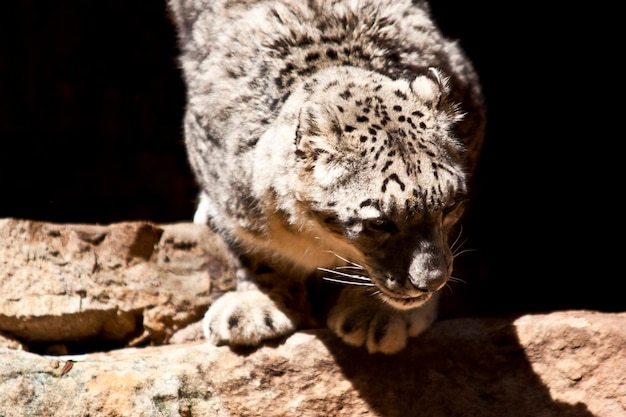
329,138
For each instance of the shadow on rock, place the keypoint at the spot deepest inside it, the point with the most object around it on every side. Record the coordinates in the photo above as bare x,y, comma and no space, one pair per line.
478,370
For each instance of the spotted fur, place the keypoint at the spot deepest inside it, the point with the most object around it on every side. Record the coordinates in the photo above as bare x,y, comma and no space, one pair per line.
330,138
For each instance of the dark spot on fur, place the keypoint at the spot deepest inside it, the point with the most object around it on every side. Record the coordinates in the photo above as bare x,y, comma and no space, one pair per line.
400,94
434,167
349,128
329,85
346,94
362,119
393,177
401,118
340,109
331,53
233,321
417,113
363,138
423,125
397,108
312,56
369,203
352,221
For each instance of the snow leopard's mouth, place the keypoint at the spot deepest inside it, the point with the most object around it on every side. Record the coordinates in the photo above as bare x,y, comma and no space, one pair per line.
405,303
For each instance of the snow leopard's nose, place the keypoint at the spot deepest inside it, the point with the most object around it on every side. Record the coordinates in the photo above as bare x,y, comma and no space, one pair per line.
429,281
428,272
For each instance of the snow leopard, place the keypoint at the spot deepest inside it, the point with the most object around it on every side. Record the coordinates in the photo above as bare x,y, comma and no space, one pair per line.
333,143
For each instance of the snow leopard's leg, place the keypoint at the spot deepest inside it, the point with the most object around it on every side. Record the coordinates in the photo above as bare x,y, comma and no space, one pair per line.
266,305
362,319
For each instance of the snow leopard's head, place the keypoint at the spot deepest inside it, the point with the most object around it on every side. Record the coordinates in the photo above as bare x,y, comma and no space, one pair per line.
380,169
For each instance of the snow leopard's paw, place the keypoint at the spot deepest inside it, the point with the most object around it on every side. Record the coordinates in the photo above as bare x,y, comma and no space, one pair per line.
245,318
360,319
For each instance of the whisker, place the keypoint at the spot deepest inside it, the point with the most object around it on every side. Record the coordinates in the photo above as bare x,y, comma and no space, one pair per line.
457,246
463,251
448,287
376,293
345,260
456,240
346,278
339,281
457,279
343,274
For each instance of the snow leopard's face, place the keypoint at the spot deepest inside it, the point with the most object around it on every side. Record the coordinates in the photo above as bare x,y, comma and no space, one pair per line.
380,169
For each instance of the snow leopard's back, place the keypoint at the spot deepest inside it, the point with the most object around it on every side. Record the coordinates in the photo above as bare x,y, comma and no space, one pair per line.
242,59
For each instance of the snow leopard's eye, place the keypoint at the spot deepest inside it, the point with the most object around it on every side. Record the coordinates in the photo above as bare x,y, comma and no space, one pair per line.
453,206
380,224
450,206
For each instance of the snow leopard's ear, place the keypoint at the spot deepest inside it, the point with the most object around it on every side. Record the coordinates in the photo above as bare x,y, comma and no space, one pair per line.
432,88
318,128
318,145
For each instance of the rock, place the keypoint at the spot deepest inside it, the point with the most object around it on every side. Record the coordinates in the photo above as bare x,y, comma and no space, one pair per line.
104,321
551,365
126,283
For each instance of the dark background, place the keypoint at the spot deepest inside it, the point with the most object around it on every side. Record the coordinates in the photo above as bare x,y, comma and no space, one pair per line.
91,102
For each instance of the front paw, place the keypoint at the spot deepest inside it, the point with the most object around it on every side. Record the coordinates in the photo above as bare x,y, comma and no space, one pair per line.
245,318
362,319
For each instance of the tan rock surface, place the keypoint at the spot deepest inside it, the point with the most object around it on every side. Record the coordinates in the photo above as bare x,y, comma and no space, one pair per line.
133,282
84,288
564,364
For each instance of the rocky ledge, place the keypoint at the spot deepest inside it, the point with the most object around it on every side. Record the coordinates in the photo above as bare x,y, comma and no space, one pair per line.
103,321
